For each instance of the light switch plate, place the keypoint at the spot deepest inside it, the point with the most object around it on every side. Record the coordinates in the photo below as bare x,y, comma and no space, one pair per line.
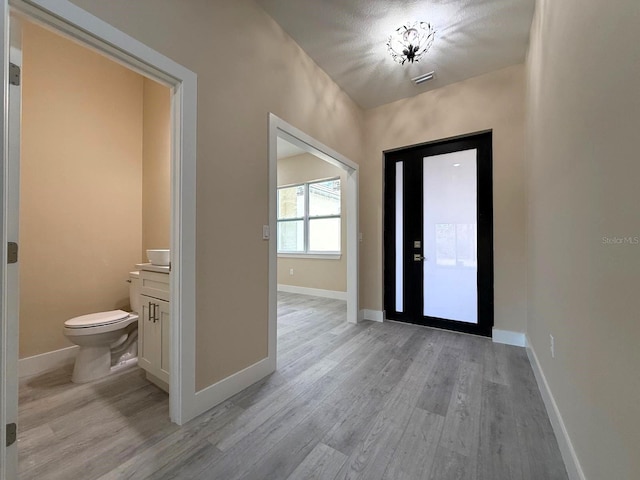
266,233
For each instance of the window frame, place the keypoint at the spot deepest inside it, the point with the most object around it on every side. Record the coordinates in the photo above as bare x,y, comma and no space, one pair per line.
306,219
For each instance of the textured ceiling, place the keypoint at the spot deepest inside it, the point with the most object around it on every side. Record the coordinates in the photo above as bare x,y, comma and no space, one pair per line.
347,38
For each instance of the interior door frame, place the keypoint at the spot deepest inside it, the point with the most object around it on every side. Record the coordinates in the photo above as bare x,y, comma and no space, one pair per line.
9,273
279,128
69,20
484,198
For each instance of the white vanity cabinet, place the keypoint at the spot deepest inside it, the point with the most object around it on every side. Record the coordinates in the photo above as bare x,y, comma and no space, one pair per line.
154,325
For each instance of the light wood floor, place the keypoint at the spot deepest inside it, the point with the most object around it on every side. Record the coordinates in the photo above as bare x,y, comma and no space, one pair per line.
372,401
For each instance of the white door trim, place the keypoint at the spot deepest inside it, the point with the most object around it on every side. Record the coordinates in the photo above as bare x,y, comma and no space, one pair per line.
278,128
71,21
12,52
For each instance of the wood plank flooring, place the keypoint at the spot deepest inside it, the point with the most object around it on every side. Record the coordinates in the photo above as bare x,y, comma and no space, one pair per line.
370,401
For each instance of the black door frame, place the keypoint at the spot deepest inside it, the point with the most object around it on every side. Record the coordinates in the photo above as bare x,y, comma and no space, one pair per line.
482,141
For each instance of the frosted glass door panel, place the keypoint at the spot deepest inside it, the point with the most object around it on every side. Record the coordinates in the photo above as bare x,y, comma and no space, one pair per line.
399,238
450,265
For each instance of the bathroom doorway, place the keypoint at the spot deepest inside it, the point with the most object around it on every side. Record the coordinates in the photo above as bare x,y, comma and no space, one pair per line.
95,196
94,188
64,18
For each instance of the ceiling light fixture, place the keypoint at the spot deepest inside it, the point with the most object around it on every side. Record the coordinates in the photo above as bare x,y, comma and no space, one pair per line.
411,42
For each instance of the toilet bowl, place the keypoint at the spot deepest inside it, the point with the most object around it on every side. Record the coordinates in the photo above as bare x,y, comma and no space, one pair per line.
108,341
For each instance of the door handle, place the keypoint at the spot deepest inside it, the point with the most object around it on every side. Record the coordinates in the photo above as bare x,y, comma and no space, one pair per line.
418,257
153,312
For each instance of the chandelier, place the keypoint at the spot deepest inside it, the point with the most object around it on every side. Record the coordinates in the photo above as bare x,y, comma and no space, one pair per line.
411,42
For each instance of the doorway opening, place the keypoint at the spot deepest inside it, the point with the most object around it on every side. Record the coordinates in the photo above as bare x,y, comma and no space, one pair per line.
313,220
438,244
95,179
69,21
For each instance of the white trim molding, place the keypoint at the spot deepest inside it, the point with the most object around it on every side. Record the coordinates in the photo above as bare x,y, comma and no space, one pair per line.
45,362
574,470
373,315
517,339
316,292
227,387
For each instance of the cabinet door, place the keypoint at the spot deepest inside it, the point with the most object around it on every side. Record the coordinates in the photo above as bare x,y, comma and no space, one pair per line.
165,333
148,337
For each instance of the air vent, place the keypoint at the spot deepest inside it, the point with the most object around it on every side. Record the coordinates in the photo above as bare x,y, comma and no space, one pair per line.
423,78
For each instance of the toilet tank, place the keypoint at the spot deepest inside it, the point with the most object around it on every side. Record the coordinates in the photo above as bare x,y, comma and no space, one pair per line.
134,291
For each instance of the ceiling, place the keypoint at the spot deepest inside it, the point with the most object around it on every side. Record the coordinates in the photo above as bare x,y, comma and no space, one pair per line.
287,149
347,39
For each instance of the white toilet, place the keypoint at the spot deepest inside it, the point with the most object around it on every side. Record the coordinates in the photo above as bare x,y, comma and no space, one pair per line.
108,341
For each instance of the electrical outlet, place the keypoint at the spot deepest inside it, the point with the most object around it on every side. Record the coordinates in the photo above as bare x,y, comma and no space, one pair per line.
552,345
291,271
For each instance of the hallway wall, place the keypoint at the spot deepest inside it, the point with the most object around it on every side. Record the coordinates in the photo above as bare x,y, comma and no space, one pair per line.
247,66
584,226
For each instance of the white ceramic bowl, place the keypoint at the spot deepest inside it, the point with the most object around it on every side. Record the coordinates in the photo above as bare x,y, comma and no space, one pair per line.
159,257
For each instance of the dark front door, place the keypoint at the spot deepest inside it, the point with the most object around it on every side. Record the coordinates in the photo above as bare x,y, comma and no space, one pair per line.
438,241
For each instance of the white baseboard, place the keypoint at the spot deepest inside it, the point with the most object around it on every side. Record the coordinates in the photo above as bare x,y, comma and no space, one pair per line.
316,292
373,315
219,392
517,339
574,470
46,361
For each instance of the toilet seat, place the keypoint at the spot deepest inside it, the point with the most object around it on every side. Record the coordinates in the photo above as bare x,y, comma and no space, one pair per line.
96,319
101,322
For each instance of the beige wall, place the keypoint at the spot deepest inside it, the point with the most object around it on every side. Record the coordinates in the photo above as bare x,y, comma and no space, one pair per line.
247,67
493,101
156,166
81,186
583,173
308,272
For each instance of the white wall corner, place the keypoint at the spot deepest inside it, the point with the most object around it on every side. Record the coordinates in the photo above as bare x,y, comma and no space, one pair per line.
574,470
373,315
316,292
517,339
47,361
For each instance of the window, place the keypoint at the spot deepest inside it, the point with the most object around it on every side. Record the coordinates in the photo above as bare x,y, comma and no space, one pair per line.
309,219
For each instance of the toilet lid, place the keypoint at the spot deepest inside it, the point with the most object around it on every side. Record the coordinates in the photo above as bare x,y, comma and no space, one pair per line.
96,319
